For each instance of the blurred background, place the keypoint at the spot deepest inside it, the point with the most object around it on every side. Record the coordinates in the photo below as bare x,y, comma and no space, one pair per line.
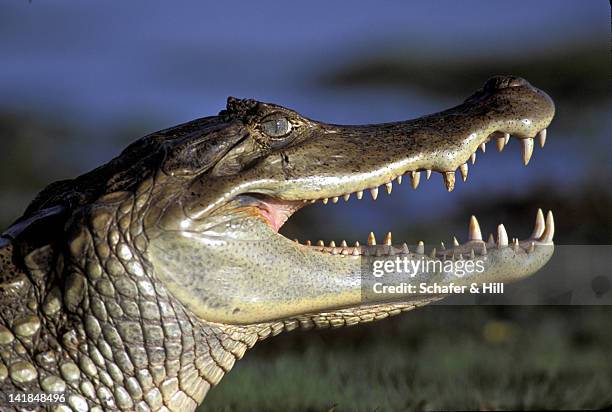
78,82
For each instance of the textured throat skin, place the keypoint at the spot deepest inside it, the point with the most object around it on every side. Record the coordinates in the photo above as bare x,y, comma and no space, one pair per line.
137,286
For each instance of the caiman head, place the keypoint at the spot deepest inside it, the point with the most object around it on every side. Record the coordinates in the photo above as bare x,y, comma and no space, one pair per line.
191,215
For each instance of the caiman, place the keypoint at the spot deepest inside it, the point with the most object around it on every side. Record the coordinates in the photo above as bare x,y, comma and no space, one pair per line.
137,285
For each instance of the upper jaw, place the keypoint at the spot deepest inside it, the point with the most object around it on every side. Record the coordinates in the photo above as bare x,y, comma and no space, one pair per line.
343,160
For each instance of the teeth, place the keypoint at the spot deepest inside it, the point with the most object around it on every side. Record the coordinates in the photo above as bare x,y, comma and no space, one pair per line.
539,225
472,254
464,171
527,150
357,243
420,248
474,231
334,251
502,236
549,231
343,243
335,199
388,239
415,178
332,243
389,187
428,173
355,252
501,141
399,180
374,193
371,239
542,137
325,201
442,247
405,249
308,243
433,253
491,240
483,147
531,247
484,249
473,157
515,244
359,194
296,241
449,180
455,241
320,243
346,197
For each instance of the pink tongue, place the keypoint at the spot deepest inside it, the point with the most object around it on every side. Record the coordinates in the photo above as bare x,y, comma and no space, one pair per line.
278,211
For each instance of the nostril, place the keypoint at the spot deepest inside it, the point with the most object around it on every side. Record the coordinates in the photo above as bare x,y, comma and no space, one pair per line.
502,82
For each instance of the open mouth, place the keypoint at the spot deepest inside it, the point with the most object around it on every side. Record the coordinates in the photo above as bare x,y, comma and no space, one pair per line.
277,211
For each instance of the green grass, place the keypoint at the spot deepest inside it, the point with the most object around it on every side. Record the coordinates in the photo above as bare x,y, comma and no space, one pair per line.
439,358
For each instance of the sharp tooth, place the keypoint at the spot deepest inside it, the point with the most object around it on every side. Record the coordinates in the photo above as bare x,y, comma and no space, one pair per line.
427,174
343,243
389,187
542,137
405,249
449,180
345,252
506,138
334,251
320,243
474,231
357,243
442,247
501,142
356,252
420,248
483,146
359,194
325,201
484,249
539,225
473,157
371,239
464,171
472,254
415,178
308,243
502,236
388,238
527,150
515,244
399,180
531,247
335,199
346,197
433,253
549,231
491,240
455,241
332,244
374,193
296,241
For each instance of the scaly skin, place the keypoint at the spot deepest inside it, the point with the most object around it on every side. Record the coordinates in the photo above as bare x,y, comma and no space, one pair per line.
138,285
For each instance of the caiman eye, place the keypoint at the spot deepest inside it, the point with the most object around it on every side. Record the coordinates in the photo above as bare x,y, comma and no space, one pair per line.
276,127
